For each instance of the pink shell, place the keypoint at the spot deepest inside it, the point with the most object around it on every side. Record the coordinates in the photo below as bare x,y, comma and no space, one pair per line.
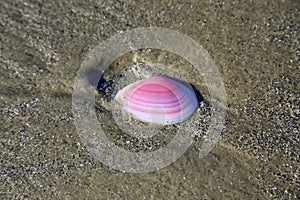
159,100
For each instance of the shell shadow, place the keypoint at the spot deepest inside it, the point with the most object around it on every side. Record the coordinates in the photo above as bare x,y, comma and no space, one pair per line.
96,80
198,94
92,76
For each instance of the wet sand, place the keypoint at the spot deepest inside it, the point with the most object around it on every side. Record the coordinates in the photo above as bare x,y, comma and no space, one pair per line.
256,49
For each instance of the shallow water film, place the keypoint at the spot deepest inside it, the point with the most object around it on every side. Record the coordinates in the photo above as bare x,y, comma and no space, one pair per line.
255,47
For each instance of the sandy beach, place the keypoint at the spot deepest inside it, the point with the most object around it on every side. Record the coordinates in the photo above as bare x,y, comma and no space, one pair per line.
255,46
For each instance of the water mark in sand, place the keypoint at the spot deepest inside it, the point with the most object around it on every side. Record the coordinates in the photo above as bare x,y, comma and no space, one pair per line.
83,99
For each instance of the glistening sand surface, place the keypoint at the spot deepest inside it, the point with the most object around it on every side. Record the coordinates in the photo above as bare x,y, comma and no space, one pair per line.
255,46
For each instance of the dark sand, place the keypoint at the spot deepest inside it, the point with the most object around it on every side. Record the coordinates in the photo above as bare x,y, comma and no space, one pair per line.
255,46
